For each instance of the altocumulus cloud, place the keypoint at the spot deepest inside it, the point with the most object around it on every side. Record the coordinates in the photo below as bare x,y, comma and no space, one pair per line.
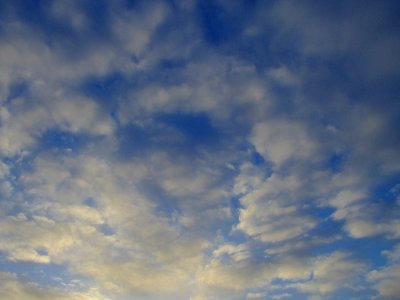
199,150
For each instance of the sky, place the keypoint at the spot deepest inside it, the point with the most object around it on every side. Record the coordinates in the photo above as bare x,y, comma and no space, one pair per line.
199,150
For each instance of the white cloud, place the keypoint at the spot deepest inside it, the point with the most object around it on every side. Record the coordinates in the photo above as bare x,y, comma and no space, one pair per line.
23,122
161,223
283,75
4,169
386,279
144,249
280,140
364,219
346,197
64,61
249,178
134,28
12,288
23,239
255,296
80,115
329,273
317,276
214,84
303,245
69,12
273,212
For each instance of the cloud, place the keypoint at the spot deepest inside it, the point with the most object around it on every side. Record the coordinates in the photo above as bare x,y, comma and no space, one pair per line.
143,248
272,213
12,288
284,76
4,169
250,177
330,31
331,272
365,219
385,279
280,140
25,239
23,123
175,150
212,85
234,269
134,28
69,12
235,273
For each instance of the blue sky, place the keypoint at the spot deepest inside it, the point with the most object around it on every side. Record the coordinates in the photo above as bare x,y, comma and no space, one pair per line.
200,150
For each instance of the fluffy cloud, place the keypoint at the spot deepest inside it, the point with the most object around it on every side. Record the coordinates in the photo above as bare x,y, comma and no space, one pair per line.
131,246
13,289
23,123
272,213
385,279
234,268
190,150
331,272
281,140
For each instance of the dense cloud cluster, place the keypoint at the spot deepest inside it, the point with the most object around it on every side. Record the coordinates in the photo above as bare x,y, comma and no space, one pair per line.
199,150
